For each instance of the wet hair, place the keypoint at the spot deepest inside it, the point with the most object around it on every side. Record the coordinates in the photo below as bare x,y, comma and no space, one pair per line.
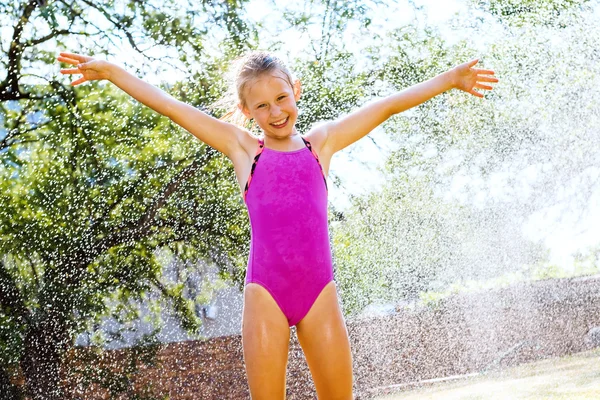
244,71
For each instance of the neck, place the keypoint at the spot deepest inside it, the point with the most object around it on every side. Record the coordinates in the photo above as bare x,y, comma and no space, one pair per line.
285,143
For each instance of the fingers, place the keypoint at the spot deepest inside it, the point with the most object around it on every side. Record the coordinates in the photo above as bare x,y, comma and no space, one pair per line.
486,79
485,72
72,56
67,60
74,59
477,85
78,81
70,71
473,62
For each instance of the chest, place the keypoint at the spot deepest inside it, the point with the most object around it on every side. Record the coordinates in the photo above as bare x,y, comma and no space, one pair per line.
287,169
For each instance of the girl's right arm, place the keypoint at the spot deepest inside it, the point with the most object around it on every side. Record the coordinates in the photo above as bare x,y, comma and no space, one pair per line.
220,135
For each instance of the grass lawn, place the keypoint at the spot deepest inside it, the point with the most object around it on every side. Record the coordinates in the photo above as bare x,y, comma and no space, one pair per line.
575,377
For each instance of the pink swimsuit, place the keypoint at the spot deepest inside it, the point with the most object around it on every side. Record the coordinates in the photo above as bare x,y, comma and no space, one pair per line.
290,256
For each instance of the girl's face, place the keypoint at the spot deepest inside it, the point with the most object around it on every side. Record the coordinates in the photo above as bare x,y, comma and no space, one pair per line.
271,101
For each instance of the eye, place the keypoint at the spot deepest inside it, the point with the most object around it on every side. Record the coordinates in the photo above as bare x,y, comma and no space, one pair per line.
281,97
260,106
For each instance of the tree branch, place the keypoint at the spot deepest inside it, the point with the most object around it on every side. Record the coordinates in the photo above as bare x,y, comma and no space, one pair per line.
11,83
136,230
34,42
122,28
131,188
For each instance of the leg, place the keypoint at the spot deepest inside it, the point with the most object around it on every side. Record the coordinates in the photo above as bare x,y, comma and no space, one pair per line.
265,342
324,339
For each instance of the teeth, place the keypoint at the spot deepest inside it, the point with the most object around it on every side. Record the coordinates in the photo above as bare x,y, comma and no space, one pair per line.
279,122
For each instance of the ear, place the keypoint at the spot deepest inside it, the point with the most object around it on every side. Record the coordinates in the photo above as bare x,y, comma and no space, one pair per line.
297,89
244,111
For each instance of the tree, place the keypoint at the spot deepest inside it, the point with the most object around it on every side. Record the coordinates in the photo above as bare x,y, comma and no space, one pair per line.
93,182
525,126
523,11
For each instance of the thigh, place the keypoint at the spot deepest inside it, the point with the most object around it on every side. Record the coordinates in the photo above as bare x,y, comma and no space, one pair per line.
323,337
265,342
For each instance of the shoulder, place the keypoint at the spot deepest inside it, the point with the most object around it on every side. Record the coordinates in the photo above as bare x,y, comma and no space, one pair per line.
317,136
248,141
247,146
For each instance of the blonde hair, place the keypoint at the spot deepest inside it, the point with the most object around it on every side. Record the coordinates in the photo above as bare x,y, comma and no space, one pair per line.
244,70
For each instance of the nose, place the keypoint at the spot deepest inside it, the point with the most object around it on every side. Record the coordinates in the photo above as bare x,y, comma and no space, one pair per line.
275,111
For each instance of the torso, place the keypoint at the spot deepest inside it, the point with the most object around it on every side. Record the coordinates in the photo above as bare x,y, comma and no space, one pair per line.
287,203
242,159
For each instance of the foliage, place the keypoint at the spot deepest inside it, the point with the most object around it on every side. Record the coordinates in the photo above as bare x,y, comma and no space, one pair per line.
391,246
518,12
331,88
115,371
92,183
455,172
325,22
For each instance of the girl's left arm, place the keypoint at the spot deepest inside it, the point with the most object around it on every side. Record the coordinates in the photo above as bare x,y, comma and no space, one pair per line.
352,127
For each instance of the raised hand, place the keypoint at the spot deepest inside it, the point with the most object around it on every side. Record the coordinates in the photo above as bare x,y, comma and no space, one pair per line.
467,78
89,67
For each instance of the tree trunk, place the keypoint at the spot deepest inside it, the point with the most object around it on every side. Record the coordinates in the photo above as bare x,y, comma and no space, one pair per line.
7,389
45,345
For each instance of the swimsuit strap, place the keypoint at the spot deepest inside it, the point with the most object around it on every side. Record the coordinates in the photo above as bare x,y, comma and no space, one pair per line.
307,143
261,146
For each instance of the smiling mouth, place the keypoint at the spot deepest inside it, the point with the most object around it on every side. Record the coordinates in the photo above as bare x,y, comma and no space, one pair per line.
282,124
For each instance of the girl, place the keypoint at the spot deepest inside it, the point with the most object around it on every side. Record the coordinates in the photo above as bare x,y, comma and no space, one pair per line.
283,180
